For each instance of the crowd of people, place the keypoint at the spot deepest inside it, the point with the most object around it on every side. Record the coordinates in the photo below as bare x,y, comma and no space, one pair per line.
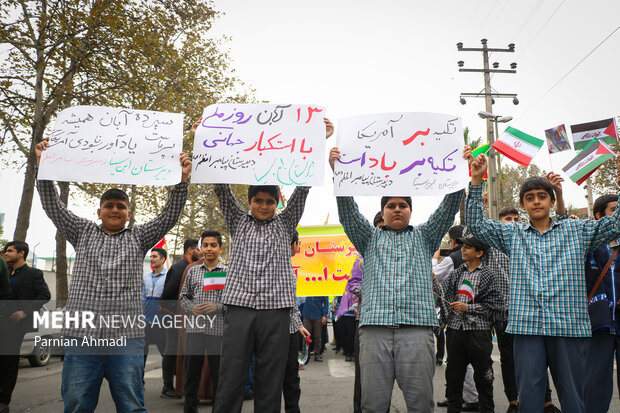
527,283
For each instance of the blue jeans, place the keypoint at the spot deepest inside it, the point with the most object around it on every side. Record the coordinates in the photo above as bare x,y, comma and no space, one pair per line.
564,356
600,351
85,367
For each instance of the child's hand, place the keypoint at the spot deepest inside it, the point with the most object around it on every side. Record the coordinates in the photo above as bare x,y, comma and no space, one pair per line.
467,154
186,166
195,126
478,168
556,180
334,154
41,146
458,306
329,128
304,333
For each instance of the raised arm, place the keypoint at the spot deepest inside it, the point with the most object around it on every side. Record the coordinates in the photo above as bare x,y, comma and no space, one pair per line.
295,208
355,225
442,219
231,209
492,232
65,221
560,208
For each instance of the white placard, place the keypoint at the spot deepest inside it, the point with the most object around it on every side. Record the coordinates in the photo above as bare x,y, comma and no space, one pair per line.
114,145
260,145
400,154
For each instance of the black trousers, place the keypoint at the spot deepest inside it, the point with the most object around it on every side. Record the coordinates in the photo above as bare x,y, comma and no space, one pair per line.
12,337
347,327
195,346
441,343
469,347
507,360
264,332
290,387
337,326
169,360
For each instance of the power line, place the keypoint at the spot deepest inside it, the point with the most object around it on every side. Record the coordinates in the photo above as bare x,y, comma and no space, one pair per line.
527,19
541,29
571,70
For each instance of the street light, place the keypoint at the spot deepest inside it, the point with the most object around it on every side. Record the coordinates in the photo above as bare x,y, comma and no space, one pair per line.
493,173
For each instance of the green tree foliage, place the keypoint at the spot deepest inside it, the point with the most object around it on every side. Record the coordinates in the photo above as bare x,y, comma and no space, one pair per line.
141,54
154,55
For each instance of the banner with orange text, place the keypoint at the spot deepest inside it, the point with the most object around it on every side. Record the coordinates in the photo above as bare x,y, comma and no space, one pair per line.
323,261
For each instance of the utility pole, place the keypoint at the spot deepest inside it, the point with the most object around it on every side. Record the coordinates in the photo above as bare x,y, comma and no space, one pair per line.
489,97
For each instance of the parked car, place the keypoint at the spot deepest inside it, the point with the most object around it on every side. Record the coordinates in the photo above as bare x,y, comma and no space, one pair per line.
39,354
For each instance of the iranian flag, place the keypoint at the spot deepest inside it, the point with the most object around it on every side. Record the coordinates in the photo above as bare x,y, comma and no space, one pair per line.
518,146
466,289
588,161
214,281
583,133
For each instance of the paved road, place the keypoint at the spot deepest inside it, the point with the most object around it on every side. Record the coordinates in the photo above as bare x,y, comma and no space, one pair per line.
326,387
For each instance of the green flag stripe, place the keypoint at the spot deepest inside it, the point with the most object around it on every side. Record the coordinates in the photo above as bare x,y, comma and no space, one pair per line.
524,137
587,150
215,274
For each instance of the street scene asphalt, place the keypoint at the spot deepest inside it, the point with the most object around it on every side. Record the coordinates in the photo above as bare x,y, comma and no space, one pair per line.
325,386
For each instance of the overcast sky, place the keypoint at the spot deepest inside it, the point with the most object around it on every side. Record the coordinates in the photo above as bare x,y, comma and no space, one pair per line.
357,57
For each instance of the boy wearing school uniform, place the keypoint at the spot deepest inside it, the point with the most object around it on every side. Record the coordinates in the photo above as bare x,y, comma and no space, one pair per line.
547,312
471,302
201,296
397,313
259,294
107,280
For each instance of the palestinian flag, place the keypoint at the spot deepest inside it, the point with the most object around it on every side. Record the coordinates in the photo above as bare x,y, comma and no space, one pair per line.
214,281
583,133
518,146
588,161
281,201
466,289
480,149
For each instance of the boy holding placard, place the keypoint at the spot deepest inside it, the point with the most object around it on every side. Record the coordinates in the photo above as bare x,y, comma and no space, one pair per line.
107,282
201,296
398,312
547,312
259,294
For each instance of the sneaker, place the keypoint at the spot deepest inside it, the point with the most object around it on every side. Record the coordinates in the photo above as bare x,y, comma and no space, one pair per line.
349,358
249,395
513,408
552,409
168,393
318,357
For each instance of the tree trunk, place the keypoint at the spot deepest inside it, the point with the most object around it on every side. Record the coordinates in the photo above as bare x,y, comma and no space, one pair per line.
62,285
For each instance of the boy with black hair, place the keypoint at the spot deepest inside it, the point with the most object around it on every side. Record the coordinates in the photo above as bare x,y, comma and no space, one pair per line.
201,296
398,312
475,302
603,309
547,307
107,280
259,293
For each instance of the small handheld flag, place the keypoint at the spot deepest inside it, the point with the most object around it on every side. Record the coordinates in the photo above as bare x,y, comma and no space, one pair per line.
588,160
214,281
466,289
518,146
302,356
